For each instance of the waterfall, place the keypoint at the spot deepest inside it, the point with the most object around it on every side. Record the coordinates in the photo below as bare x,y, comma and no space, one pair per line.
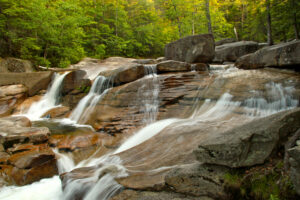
277,98
270,98
88,103
148,95
49,100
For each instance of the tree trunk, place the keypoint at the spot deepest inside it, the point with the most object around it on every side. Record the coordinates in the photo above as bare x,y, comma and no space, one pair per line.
294,16
208,17
269,25
178,19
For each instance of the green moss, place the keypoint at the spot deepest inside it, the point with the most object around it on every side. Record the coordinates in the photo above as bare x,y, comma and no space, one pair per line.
261,183
84,89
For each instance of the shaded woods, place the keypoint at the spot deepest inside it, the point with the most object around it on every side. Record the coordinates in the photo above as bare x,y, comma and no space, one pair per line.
60,32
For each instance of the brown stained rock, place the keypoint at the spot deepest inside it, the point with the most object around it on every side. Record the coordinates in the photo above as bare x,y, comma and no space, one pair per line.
10,97
192,49
32,158
3,157
44,169
9,137
173,66
25,105
57,112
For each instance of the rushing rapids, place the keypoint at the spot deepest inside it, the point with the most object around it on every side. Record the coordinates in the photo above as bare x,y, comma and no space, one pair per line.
143,159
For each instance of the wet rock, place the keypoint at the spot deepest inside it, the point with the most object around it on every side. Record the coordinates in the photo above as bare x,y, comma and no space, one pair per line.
173,66
10,97
200,67
25,156
249,144
232,51
9,137
43,169
145,61
32,158
284,55
14,121
225,41
295,167
148,195
57,112
124,74
34,81
15,65
26,104
197,180
75,80
192,49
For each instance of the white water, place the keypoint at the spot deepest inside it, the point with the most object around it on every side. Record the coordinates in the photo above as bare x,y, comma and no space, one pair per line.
88,103
145,134
276,98
48,101
148,95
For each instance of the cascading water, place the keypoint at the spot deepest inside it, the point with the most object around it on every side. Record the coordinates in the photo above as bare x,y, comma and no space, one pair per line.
49,100
88,103
101,184
148,94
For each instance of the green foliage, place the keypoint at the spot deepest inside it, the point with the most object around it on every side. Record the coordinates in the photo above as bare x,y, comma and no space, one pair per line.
60,32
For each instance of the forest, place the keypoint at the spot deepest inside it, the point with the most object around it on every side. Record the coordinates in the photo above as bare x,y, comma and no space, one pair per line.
57,33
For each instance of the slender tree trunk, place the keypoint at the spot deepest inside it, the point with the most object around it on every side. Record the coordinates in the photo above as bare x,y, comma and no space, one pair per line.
178,19
293,6
208,17
269,23
116,18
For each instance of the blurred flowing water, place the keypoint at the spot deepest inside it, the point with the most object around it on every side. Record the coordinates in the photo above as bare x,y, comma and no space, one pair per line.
228,107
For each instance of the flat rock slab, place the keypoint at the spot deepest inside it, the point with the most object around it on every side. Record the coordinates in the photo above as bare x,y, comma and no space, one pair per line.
34,81
230,52
249,144
284,55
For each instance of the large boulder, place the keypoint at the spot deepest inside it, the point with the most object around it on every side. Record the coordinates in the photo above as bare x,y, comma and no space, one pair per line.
75,80
15,65
34,81
173,66
192,49
232,51
249,144
126,73
284,55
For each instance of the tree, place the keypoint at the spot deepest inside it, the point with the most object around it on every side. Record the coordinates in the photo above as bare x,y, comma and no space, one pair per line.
208,17
269,23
